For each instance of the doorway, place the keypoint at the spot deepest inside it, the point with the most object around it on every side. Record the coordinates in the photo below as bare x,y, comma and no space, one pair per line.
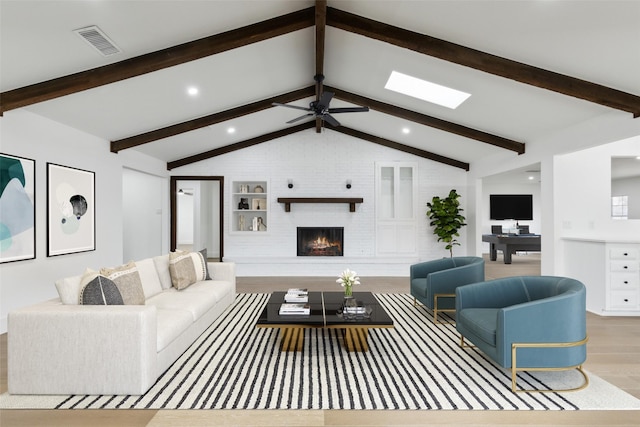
197,214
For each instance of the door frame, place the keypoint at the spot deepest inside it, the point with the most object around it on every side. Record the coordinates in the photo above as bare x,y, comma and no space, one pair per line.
173,188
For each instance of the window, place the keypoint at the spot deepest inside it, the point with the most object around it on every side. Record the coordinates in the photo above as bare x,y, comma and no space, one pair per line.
619,207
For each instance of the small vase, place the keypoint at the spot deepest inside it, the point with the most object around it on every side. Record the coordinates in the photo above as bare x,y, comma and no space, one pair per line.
348,291
349,303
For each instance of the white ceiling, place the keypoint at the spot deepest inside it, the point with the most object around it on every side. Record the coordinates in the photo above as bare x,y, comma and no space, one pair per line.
597,41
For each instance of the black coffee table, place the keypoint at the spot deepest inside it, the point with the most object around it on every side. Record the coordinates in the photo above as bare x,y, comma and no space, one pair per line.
325,313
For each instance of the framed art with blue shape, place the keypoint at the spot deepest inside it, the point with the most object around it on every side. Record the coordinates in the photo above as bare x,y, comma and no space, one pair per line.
71,210
17,208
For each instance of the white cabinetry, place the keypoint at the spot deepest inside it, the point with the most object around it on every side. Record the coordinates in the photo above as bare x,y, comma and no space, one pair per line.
395,210
624,277
249,206
611,272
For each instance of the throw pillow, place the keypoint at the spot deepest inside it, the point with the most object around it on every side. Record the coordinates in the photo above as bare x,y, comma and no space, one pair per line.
100,291
203,252
186,268
162,266
151,284
69,289
127,279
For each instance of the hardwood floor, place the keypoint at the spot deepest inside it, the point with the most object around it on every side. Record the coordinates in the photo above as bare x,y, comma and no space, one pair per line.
613,354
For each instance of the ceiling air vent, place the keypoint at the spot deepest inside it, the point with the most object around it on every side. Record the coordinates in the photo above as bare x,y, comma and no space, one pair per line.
99,40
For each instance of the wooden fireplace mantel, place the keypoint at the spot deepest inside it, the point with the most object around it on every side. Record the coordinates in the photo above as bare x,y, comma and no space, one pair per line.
350,200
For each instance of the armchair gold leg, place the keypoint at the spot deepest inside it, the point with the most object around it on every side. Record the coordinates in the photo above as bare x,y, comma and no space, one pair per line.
515,369
464,345
436,310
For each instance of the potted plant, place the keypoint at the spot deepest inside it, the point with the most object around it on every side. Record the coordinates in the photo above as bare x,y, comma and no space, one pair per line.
446,218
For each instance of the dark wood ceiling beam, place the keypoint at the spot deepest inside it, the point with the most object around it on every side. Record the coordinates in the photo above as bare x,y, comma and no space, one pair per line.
209,120
321,21
158,60
240,145
433,122
401,147
483,61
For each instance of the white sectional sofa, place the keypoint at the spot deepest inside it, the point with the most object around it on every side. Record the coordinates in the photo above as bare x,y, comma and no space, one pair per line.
61,347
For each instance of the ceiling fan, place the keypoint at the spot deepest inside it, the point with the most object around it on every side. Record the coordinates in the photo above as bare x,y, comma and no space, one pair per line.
320,109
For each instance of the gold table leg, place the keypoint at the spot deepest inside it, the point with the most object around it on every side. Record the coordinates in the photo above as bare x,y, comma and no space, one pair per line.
292,338
355,339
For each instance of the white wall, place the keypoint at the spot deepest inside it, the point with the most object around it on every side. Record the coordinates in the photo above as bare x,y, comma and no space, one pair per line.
143,197
28,135
319,165
585,210
184,219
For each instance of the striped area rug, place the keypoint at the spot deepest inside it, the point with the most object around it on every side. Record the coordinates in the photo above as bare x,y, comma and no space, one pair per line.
416,365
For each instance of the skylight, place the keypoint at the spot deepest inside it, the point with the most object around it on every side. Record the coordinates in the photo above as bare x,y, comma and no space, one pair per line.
427,91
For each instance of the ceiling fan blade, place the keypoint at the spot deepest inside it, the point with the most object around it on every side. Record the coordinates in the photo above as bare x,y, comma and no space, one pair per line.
300,118
349,110
277,104
330,120
325,99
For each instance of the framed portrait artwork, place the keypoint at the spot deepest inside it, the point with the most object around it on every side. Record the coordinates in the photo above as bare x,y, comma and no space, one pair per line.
17,208
71,210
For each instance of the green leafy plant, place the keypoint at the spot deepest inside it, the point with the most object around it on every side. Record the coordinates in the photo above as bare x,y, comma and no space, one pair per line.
446,218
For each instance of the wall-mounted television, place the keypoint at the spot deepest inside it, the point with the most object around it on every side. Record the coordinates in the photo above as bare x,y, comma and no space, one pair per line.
511,206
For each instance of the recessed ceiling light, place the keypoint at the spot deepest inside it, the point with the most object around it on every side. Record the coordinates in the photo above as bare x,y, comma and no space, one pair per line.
231,130
531,178
192,90
406,130
427,91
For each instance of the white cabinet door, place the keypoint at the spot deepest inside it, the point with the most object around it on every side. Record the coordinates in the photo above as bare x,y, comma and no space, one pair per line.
395,210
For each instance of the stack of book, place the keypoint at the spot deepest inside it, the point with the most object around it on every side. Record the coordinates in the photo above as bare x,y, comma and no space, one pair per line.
355,309
294,309
296,295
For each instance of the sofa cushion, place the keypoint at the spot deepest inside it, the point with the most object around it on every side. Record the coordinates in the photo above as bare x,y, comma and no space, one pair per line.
197,303
186,268
149,276
217,288
98,290
162,267
69,289
127,279
171,323
482,322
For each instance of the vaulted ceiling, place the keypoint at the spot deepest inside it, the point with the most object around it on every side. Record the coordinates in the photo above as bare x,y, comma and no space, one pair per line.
532,68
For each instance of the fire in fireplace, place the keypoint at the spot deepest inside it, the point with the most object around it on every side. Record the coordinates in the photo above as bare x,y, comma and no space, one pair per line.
320,241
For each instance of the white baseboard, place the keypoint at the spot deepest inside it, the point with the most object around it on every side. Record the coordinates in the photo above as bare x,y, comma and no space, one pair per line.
320,266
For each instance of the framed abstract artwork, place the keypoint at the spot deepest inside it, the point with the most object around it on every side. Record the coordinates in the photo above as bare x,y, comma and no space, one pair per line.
17,208
71,210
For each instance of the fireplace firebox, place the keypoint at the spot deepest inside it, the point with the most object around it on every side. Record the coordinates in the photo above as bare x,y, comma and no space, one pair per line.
320,241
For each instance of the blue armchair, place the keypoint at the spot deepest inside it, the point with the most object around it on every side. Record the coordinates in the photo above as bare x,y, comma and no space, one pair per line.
434,283
527,323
